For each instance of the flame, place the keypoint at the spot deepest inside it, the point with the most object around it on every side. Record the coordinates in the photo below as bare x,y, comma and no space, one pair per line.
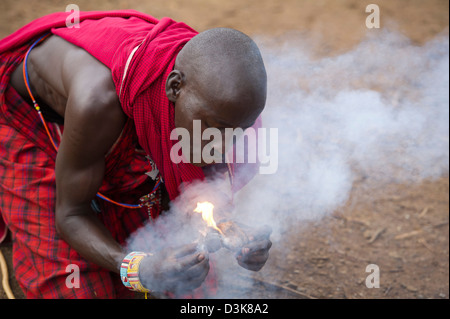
207,211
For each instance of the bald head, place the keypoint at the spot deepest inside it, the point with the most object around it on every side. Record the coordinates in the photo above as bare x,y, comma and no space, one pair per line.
224,68
225,63
219,78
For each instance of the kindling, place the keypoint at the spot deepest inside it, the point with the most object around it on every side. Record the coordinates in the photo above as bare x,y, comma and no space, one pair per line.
239,146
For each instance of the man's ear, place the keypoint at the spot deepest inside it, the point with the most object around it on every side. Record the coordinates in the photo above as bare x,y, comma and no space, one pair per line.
174,83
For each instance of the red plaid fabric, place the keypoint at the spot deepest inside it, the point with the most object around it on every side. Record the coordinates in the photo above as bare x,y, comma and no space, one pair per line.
27,199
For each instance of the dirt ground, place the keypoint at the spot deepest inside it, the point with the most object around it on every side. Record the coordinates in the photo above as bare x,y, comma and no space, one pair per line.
401,228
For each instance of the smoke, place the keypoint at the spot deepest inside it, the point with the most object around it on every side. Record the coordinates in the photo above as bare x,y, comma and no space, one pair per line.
378,112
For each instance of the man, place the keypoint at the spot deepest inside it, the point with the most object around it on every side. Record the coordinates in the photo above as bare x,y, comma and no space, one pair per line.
111,91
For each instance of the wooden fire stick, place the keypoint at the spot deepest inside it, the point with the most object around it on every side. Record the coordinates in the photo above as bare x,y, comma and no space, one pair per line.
5,282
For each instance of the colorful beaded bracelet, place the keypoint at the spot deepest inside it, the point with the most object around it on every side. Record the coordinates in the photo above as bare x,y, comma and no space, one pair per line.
129,271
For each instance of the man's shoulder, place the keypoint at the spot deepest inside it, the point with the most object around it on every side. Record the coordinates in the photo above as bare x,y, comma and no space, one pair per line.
58,60
86,82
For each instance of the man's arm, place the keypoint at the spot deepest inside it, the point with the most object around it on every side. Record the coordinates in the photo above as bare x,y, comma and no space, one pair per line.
91,127
93,122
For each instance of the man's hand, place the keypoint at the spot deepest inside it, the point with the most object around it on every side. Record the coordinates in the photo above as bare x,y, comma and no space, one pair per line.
255,253
177,270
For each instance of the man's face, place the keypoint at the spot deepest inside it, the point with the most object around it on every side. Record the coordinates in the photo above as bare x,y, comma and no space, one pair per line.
192,105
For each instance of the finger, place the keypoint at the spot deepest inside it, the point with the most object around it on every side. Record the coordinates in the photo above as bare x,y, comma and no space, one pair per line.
197,276
259,255
255,257
186,262
255,246
198,271
179,272
178,266
185,250
254,263
252,267
194,283
192,278
186,286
